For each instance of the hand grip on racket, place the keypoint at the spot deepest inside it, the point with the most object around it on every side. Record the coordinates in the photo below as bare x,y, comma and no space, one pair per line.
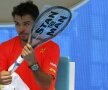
49,24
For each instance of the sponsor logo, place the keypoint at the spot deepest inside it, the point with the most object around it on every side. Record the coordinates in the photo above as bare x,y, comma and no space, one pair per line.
42,50
53,64
52,70
51,24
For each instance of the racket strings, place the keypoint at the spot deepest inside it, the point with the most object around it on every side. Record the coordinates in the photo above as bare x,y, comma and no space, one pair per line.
52,28
51,25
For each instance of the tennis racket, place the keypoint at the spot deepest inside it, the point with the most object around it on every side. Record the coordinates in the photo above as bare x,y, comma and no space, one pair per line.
49,24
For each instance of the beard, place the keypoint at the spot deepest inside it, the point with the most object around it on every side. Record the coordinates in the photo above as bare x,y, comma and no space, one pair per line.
24,37
24,40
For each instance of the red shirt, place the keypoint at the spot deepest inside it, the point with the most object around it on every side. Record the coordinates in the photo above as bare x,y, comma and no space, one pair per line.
47,56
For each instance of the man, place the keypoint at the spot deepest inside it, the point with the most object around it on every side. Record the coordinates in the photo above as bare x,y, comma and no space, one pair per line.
39,68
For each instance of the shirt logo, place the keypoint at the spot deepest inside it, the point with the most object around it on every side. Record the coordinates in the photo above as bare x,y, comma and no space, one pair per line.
52,70
51,63
42,50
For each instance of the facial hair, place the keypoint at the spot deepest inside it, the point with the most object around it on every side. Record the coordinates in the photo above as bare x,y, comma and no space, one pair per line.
24,36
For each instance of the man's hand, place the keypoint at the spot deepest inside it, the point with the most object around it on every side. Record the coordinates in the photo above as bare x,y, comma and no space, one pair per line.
43,79
5,78
28,54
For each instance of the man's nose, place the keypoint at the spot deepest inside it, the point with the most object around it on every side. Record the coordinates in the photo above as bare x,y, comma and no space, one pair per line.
22,28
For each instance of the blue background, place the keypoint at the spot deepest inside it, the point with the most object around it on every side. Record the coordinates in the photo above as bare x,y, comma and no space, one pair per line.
85,41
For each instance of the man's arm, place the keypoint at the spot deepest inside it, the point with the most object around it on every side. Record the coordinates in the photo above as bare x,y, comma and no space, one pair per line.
43,79
5,76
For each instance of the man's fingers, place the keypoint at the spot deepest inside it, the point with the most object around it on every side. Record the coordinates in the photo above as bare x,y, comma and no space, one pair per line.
27,50
29,46
7,81
5,73
6,77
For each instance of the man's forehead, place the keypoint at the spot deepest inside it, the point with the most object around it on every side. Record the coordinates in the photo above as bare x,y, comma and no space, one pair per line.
25,18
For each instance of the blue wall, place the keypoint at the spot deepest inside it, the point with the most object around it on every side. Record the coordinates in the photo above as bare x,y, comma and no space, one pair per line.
85,41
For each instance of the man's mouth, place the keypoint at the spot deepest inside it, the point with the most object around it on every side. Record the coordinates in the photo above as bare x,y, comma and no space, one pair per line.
23,34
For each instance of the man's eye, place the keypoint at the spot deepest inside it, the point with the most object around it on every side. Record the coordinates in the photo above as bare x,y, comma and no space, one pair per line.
16,24
26,24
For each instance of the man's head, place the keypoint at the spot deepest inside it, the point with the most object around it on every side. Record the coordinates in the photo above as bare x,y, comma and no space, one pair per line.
24,15
26,8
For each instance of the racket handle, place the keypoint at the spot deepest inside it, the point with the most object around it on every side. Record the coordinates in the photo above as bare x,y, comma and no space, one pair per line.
16,64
